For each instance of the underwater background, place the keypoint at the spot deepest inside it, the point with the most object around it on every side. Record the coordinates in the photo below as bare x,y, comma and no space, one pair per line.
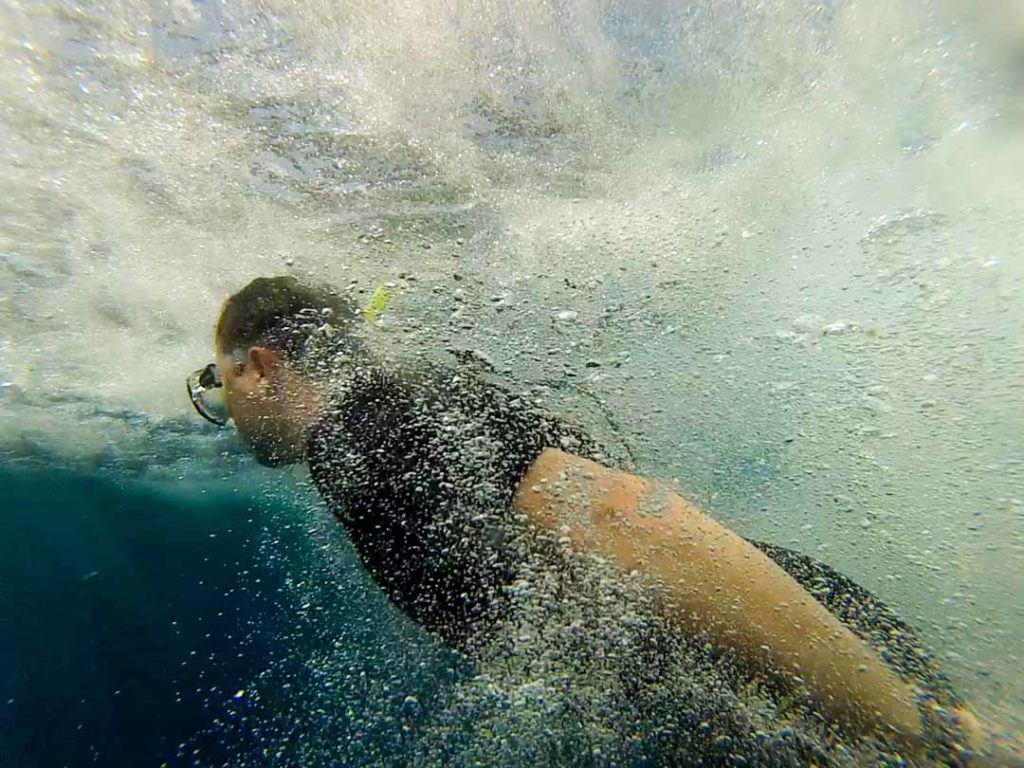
773,251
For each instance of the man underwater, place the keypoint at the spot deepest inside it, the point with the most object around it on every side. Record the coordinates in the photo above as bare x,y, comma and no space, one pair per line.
455,492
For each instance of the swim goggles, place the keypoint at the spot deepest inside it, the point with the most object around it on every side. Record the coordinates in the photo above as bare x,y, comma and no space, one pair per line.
206,391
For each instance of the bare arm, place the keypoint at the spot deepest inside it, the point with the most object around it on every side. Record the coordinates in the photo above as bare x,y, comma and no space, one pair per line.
714,581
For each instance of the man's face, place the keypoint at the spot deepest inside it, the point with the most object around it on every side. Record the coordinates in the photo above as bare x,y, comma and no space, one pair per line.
256,400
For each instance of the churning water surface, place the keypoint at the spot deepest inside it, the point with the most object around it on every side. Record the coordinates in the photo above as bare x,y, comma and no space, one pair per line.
772,250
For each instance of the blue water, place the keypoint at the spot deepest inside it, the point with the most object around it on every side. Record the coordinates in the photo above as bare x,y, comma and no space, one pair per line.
127,616
134,617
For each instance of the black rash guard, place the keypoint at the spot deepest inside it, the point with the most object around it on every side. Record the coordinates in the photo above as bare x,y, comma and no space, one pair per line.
420,467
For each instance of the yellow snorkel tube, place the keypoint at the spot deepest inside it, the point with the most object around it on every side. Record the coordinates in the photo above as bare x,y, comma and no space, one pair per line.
378,301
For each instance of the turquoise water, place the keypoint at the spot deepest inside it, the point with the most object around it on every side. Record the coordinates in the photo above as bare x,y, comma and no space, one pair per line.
126,623
771,252
145,626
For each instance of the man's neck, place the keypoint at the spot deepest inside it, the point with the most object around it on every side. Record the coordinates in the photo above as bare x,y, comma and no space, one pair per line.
306,403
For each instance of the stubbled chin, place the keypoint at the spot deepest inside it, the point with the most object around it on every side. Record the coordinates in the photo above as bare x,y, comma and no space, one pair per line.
269,460
268,456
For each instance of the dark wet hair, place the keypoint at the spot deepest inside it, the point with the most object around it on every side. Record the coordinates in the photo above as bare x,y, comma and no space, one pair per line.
286,315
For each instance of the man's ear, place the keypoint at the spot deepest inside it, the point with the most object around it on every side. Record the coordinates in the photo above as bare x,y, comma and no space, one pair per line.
263,361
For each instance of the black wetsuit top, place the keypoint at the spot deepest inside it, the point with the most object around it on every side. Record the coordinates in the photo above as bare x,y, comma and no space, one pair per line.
421,466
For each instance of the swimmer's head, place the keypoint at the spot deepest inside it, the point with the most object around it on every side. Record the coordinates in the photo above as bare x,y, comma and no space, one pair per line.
276,340
288,317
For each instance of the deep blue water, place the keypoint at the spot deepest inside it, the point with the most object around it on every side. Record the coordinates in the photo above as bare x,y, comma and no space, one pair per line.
123,614
133,614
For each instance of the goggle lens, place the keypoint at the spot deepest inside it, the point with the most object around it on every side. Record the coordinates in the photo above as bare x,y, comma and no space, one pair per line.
206,392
